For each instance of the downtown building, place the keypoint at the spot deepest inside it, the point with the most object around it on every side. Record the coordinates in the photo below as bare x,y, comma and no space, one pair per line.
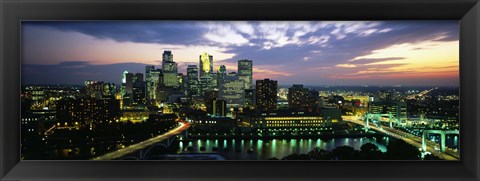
170,70
192,80
266,95
232,90
245,72
302,99
205,73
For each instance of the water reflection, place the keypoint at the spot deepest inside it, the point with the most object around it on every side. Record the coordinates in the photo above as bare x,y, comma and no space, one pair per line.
265,149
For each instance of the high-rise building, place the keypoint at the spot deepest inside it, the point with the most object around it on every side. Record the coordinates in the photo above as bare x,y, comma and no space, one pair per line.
397,109
245,72
139,93
129,82
222,69
152,83
167,56
266,95
149,81
232,90
170,73
170,70
138,77
192,79
206,71
206,65
209,98
300,98
124,78
249,98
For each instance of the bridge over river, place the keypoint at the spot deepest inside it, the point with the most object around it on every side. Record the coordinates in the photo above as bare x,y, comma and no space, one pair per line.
444,153
143,147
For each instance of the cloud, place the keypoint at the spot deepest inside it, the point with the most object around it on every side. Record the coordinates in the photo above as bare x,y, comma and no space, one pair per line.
302,48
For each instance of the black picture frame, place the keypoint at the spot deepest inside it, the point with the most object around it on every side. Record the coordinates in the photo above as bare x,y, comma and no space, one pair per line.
14,11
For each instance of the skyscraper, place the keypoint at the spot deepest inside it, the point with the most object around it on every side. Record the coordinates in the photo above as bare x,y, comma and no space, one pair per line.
167,56
170,70
192,79
206,71
245,72
299,98
266,95
206,65
149,81
138,77
232,90
129,82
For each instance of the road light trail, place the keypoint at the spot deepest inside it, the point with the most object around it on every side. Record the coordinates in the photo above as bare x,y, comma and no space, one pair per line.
391,132
144,144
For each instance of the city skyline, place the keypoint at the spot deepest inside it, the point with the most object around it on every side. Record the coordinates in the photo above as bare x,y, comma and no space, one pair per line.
405,53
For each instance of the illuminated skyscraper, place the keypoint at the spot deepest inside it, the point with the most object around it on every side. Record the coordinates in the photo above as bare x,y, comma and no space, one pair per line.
167,56
124,78
232,90
206,71
170,70
192,79
266,95
245,72
149,81
206,65
299,98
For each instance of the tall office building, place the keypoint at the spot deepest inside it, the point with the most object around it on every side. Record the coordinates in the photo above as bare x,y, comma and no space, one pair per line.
220,75
192,79
138,77
170,70
245,72
232,90
167,56
139,93
149,81
124,77
152,83
206,71
129,82
206,65
266,95
299,98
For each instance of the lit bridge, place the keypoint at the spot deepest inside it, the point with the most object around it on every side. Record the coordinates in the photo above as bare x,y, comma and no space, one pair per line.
419,142
139,151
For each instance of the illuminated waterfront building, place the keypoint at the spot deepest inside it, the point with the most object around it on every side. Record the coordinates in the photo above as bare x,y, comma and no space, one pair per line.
245,72
302,99
396,108
266,95
289,119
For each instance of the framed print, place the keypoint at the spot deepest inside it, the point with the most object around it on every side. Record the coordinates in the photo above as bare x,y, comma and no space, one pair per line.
240,90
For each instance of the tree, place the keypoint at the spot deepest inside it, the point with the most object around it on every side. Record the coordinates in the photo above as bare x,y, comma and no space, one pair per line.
400,150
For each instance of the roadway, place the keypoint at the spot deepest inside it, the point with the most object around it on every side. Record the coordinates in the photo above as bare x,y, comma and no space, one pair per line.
182,126
410,139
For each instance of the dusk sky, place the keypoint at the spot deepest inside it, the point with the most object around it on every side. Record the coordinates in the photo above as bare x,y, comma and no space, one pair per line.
296,52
